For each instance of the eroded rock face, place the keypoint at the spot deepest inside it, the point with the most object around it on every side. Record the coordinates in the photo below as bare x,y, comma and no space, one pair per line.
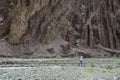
79,22
4,18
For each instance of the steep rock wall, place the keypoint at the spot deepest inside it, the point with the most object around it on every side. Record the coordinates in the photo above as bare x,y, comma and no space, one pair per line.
79,22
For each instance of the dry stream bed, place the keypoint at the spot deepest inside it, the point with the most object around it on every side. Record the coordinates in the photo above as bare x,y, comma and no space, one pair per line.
59,69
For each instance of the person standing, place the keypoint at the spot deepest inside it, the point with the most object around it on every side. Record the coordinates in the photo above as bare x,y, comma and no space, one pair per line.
81,61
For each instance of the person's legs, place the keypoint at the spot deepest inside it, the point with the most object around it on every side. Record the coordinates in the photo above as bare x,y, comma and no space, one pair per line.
80,63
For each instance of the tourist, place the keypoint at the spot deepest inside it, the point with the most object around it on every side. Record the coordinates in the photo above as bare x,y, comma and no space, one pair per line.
81,61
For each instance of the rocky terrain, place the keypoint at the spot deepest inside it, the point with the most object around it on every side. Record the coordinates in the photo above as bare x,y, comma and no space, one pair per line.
57,73
59,28
59,69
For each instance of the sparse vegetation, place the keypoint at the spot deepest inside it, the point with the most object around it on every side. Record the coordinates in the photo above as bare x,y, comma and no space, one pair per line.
118,66
92,65
104,72
102,67
109,67
63,65
90,70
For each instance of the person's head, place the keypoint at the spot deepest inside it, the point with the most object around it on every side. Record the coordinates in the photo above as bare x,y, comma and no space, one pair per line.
81,56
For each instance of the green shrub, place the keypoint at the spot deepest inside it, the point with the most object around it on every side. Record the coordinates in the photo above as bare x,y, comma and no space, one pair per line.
102,67
109,67
92,65
104,72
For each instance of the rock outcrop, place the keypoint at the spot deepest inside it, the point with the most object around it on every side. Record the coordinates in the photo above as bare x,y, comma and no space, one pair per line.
79,23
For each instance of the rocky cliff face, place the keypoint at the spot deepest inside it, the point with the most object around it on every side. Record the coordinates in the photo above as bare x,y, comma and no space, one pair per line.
60,27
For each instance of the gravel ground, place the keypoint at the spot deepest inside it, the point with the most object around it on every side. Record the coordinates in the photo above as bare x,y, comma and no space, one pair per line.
57,73
14,69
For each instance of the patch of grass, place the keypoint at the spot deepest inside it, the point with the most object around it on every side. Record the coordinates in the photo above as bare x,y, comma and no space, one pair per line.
65,58
102,67
119,73
80,73
90,70
106,58
112,57
108,67
92,65
112,71
118,66
103,71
